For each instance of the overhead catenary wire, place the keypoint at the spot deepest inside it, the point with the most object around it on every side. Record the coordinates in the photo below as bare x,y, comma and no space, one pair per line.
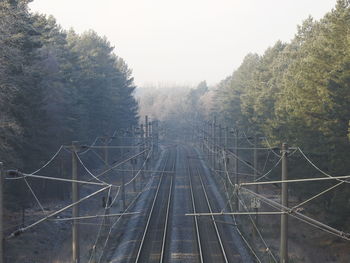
95,141
318,169
298,215
269,145
136,175
256,228
117,220
34,195
110,168
237,228
102,223
226,172
88,171
341,234
98,156
120,163
318,224
236,193
146,187
94,216
89,147
93,224
139,171
114,147
247,138
106,206
113,135
58,179
248,148
114,199
244,162
23,229
98,183
234,213
318,195
298,149
292,153
229,196
230,153
210,149
266,160
291,211
252,167
145,171
49,161
247,243
277,206
270,171
299,180
294,211
221,171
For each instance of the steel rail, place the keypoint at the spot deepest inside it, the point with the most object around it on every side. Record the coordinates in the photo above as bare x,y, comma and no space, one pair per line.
212,217
150,213
146,231
195,217
162,254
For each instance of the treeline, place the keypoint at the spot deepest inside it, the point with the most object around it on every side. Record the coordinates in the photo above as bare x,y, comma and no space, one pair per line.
296,92
299,93
56,86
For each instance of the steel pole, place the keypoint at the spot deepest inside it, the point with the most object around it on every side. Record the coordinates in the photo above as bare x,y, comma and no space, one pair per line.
256,187
236,171
107,166
123,142
143,156
75,209
284,201
147,141
1,213
219,147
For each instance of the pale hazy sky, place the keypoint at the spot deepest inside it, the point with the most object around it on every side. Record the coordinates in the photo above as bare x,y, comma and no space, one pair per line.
185,41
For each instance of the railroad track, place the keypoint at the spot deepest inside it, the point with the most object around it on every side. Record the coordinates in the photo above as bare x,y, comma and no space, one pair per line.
164,234
209,240
153,245
213,242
